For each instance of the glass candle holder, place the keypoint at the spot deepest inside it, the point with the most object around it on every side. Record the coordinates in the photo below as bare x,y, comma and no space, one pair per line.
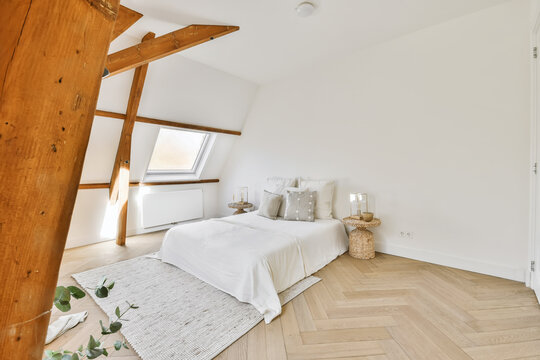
358,204
241,195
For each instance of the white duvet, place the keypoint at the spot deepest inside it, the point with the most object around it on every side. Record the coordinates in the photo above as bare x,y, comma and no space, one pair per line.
254,258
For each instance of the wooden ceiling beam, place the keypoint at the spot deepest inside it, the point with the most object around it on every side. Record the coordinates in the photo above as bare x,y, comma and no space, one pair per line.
52,56
174,124
155,183
162,46
125,19
186,126
110,114
119,190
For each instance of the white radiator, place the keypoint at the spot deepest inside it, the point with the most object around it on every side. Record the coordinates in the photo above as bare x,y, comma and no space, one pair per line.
172,206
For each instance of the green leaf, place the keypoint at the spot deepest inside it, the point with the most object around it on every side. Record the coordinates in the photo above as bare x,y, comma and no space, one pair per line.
67,357
110,286
117,345
102,292
117,311
62,305
74,357
94,353
62,294
92,343
105,352
133,306
104,330
76,292
62,297
115,326
80,349
53,355
125,345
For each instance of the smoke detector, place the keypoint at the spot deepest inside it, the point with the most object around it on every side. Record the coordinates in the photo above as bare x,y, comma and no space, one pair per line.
305,9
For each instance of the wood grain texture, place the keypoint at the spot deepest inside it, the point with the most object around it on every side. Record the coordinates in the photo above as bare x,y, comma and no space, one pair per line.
126,17
184,182
52,56
384,308
162,183
90,186
174,124
186,126
164,45
119,190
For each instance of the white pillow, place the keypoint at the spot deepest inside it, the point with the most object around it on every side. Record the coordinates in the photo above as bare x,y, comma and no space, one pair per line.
323,197
279,185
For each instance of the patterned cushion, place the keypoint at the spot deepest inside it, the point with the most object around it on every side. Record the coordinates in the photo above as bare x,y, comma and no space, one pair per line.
270,205
300,205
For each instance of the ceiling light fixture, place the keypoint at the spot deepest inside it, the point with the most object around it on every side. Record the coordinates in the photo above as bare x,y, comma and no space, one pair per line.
305,9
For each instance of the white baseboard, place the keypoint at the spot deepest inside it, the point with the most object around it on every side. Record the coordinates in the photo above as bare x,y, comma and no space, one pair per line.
506,272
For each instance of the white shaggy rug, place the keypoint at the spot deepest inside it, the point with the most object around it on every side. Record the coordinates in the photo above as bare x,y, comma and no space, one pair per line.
179,316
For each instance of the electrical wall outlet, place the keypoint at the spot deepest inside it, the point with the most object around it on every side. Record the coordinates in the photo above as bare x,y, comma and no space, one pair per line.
406,234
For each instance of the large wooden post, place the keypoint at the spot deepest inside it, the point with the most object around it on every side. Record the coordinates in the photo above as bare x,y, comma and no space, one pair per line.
52,56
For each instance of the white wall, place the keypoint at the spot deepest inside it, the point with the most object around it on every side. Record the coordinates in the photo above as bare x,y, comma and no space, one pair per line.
433,125
176,89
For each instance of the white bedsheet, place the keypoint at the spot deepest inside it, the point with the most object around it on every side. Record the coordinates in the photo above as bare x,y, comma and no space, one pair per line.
320,241
254,258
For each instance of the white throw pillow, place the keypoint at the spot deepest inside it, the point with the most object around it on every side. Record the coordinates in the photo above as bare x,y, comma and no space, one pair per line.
323,198
279,185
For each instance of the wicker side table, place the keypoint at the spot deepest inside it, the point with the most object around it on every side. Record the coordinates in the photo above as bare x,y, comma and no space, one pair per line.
361,244
240,207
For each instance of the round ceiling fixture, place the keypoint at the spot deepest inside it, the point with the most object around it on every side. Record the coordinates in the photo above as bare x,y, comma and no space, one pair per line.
305,9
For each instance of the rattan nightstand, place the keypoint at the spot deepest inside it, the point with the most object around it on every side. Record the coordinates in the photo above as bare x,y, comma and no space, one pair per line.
361,244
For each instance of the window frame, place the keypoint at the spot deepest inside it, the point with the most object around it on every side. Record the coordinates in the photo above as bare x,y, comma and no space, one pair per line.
198,165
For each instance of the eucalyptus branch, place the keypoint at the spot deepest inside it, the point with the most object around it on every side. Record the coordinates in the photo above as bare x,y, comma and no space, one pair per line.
94,348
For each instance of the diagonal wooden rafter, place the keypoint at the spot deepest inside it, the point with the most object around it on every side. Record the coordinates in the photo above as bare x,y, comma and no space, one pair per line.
119,189
126,17
162,46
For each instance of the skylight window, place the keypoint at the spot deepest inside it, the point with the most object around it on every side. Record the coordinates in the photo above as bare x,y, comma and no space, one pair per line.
178,151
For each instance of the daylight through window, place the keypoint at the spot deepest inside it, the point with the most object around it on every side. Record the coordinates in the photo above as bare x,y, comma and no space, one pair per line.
177,151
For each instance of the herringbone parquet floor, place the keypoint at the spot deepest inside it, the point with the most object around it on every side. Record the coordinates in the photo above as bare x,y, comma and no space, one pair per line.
385,308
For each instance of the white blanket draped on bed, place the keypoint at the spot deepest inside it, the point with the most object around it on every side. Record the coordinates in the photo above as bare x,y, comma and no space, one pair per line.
253,258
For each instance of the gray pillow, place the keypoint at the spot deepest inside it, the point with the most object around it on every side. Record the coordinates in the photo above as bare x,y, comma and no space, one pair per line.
300,205
270,205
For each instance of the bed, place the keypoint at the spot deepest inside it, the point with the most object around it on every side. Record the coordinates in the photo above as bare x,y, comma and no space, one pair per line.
254,258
